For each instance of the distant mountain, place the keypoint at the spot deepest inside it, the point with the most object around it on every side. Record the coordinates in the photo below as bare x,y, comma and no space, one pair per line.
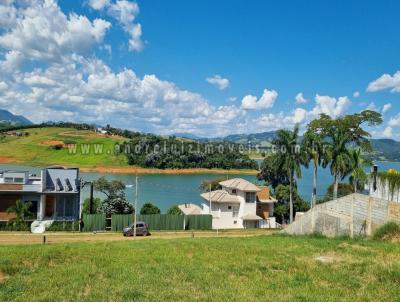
253,138
189,136
385,149
8,117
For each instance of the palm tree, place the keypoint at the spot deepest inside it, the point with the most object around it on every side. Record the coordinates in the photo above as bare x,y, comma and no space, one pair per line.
358,162
289,158
21,210
315,149
340,158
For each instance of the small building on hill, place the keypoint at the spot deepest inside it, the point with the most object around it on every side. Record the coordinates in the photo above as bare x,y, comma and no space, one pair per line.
239,204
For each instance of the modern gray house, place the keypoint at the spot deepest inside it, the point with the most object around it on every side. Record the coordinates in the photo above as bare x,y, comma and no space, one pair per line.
54,194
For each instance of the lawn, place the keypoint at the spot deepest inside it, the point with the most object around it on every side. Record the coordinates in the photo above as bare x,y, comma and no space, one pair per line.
36,149
264,268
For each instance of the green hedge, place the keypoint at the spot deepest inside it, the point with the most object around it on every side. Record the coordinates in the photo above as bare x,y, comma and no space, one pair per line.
64,226
24,227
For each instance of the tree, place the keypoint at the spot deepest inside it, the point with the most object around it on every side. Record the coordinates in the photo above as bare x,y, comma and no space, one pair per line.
358,176
174,210
315,149
148,209
272,173
343,190
96,206
342,132
115,202
205,184
21,210
282,208
340,156
289,159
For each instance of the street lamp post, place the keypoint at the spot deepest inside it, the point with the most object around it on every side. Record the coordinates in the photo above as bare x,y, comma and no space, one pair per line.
135,205
136,198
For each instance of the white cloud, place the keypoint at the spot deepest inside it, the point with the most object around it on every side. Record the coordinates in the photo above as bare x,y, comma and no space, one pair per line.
300,98
125,12
218,81
3,85
299,115
330,105
388,132
386,81
43,31
386,108
99,4
372,106
266,101
356,94
394,121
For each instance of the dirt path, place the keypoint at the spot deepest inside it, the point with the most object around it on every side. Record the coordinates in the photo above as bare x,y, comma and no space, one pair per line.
63,237
7,160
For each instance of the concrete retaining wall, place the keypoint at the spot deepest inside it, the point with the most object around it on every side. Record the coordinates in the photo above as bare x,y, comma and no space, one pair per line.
352,215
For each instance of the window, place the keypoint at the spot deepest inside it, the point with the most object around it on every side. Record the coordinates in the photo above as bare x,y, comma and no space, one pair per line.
250,197
235,222
18,180
233,191
235,212
8,180
229,207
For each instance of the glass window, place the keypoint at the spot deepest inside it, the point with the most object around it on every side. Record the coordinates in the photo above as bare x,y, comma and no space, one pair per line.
235,212
18,180
8,180
250,197
233,191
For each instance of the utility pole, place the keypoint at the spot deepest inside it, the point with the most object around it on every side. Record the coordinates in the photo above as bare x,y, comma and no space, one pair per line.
209,195
136,198
91,198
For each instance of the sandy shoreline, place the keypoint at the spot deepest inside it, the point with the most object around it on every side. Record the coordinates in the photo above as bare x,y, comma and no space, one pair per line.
139,170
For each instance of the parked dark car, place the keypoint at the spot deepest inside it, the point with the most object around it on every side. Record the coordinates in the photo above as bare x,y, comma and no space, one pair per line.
142,229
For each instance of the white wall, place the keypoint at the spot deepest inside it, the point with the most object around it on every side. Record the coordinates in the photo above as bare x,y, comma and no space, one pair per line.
382,192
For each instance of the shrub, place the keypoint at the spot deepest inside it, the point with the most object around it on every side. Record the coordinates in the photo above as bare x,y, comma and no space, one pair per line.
387,231
25,226
149,208
64,226
174,210
57,147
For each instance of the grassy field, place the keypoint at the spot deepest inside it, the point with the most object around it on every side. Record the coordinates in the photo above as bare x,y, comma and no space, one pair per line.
36,149
261,268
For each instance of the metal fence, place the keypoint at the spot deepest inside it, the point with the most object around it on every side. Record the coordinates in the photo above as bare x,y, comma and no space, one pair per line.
94,222
164,222
198,222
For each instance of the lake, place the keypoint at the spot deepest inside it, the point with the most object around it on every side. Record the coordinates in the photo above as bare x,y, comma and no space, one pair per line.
165,190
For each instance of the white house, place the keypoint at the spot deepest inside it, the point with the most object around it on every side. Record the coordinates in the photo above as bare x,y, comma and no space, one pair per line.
190,209
239,204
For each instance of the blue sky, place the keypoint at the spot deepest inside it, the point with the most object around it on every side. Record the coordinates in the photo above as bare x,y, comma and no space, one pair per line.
265,53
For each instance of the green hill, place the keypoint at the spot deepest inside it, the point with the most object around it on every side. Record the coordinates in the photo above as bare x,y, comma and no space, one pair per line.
52,145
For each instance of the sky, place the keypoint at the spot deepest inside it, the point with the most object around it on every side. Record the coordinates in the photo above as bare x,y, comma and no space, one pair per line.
208,68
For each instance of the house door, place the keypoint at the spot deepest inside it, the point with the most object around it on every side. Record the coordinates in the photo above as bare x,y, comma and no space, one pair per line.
49,209
251,224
